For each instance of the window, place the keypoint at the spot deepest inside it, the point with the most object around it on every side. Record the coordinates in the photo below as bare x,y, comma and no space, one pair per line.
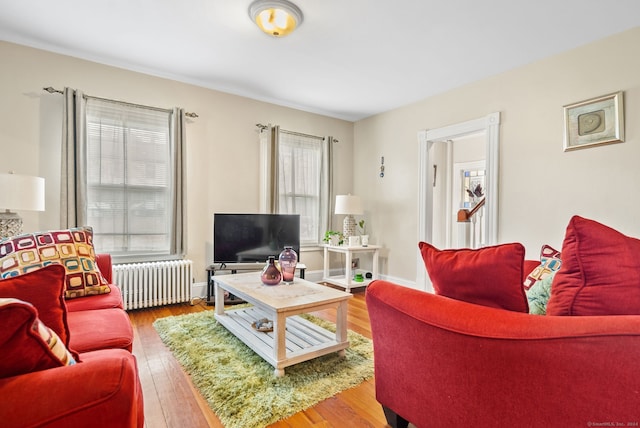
130,186
299,182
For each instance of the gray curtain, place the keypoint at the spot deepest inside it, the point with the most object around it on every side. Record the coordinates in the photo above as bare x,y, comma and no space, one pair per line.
73,191
179,226
326,211
269,191
274,193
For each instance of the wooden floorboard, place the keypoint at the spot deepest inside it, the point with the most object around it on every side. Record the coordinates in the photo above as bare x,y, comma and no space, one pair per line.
172,401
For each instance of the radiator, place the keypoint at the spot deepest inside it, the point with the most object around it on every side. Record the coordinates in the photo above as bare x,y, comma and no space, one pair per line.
150,284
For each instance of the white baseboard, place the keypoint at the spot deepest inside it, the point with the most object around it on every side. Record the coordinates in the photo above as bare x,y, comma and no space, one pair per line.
199,289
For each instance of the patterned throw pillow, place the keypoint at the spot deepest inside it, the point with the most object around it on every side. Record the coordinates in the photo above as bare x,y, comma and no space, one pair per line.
26,344
72,248
549,262
539,293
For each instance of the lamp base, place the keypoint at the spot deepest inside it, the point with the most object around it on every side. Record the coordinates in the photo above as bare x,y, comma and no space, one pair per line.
10,224
348,226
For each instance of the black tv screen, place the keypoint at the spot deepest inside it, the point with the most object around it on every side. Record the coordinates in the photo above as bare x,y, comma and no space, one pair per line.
250,238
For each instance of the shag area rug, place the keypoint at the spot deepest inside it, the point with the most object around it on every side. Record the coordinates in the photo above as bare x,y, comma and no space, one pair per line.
241,387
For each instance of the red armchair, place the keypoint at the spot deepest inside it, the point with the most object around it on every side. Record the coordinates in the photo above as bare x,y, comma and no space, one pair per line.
442,362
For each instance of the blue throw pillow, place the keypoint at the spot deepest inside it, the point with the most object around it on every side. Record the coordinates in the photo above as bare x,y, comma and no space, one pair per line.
539,293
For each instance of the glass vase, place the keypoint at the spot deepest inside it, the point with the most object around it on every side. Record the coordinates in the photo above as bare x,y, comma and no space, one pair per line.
271,274
287,261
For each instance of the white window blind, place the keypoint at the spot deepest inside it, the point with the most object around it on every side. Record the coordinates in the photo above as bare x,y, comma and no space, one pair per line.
299,186
129,178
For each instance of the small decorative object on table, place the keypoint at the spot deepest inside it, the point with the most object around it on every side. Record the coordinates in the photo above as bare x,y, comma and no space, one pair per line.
271,274
364,238
334,238
264,325
287,261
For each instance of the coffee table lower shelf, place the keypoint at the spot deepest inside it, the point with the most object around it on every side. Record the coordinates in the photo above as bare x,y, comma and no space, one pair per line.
304,340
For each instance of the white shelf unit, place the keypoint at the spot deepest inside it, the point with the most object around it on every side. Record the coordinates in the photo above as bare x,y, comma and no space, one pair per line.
303,339
346,281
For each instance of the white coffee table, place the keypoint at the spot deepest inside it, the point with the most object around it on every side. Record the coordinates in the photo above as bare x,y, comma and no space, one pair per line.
294,339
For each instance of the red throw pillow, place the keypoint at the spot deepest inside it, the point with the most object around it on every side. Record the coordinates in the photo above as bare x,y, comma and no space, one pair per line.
26,343
600,273
44,289
489,276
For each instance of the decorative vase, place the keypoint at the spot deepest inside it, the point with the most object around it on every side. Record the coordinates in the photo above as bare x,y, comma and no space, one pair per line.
288,260
364,239
270,274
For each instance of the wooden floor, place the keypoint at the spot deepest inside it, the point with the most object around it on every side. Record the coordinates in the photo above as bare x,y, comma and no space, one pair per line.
171,400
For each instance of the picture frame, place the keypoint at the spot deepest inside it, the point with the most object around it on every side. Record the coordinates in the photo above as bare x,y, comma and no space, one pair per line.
594,122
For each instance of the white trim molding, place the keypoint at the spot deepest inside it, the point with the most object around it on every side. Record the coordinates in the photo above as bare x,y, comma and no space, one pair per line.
490,126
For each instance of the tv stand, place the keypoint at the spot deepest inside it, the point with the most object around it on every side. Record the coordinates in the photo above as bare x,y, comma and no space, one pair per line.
234,268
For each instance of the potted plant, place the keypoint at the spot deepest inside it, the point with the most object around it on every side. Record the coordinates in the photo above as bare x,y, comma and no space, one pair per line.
364,238
334,238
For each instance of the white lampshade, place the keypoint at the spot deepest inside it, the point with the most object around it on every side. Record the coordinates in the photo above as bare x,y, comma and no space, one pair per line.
21,192
348,204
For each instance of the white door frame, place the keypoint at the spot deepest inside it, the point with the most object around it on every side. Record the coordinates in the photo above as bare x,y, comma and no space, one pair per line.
490,125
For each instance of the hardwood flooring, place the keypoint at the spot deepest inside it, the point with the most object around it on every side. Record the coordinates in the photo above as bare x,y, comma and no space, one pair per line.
171,400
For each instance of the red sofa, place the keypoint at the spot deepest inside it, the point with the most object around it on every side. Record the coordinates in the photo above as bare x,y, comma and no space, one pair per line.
102,390
444,362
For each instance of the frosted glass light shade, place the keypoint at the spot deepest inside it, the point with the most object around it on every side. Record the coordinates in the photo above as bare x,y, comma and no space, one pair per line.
275,17
348,204
21,192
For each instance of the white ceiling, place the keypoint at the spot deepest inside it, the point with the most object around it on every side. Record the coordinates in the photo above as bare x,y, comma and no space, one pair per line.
350,59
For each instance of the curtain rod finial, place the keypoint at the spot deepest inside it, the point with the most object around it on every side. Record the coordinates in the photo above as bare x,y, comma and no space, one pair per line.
52,90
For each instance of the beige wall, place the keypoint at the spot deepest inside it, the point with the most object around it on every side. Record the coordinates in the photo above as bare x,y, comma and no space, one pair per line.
541,186
222,154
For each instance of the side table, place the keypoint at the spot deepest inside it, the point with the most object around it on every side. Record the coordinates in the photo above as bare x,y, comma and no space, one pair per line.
346,281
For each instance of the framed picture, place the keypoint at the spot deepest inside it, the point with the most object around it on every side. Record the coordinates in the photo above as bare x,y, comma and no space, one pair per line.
594,122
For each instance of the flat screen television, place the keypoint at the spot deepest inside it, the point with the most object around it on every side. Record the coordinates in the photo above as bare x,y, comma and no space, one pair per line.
252,238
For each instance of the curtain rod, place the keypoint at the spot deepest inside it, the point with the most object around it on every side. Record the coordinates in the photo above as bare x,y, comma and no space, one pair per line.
262,127
52,90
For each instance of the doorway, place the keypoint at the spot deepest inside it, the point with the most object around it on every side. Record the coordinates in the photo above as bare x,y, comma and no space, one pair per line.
434,144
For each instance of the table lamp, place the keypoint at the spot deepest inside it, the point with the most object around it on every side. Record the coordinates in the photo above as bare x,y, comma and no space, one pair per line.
19,193
349,205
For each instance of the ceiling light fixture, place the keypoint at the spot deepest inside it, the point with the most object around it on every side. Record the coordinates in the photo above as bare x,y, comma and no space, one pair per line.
277,18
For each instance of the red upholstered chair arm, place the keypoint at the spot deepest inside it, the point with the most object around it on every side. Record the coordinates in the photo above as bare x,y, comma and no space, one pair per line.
102,391
103,261
442,362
